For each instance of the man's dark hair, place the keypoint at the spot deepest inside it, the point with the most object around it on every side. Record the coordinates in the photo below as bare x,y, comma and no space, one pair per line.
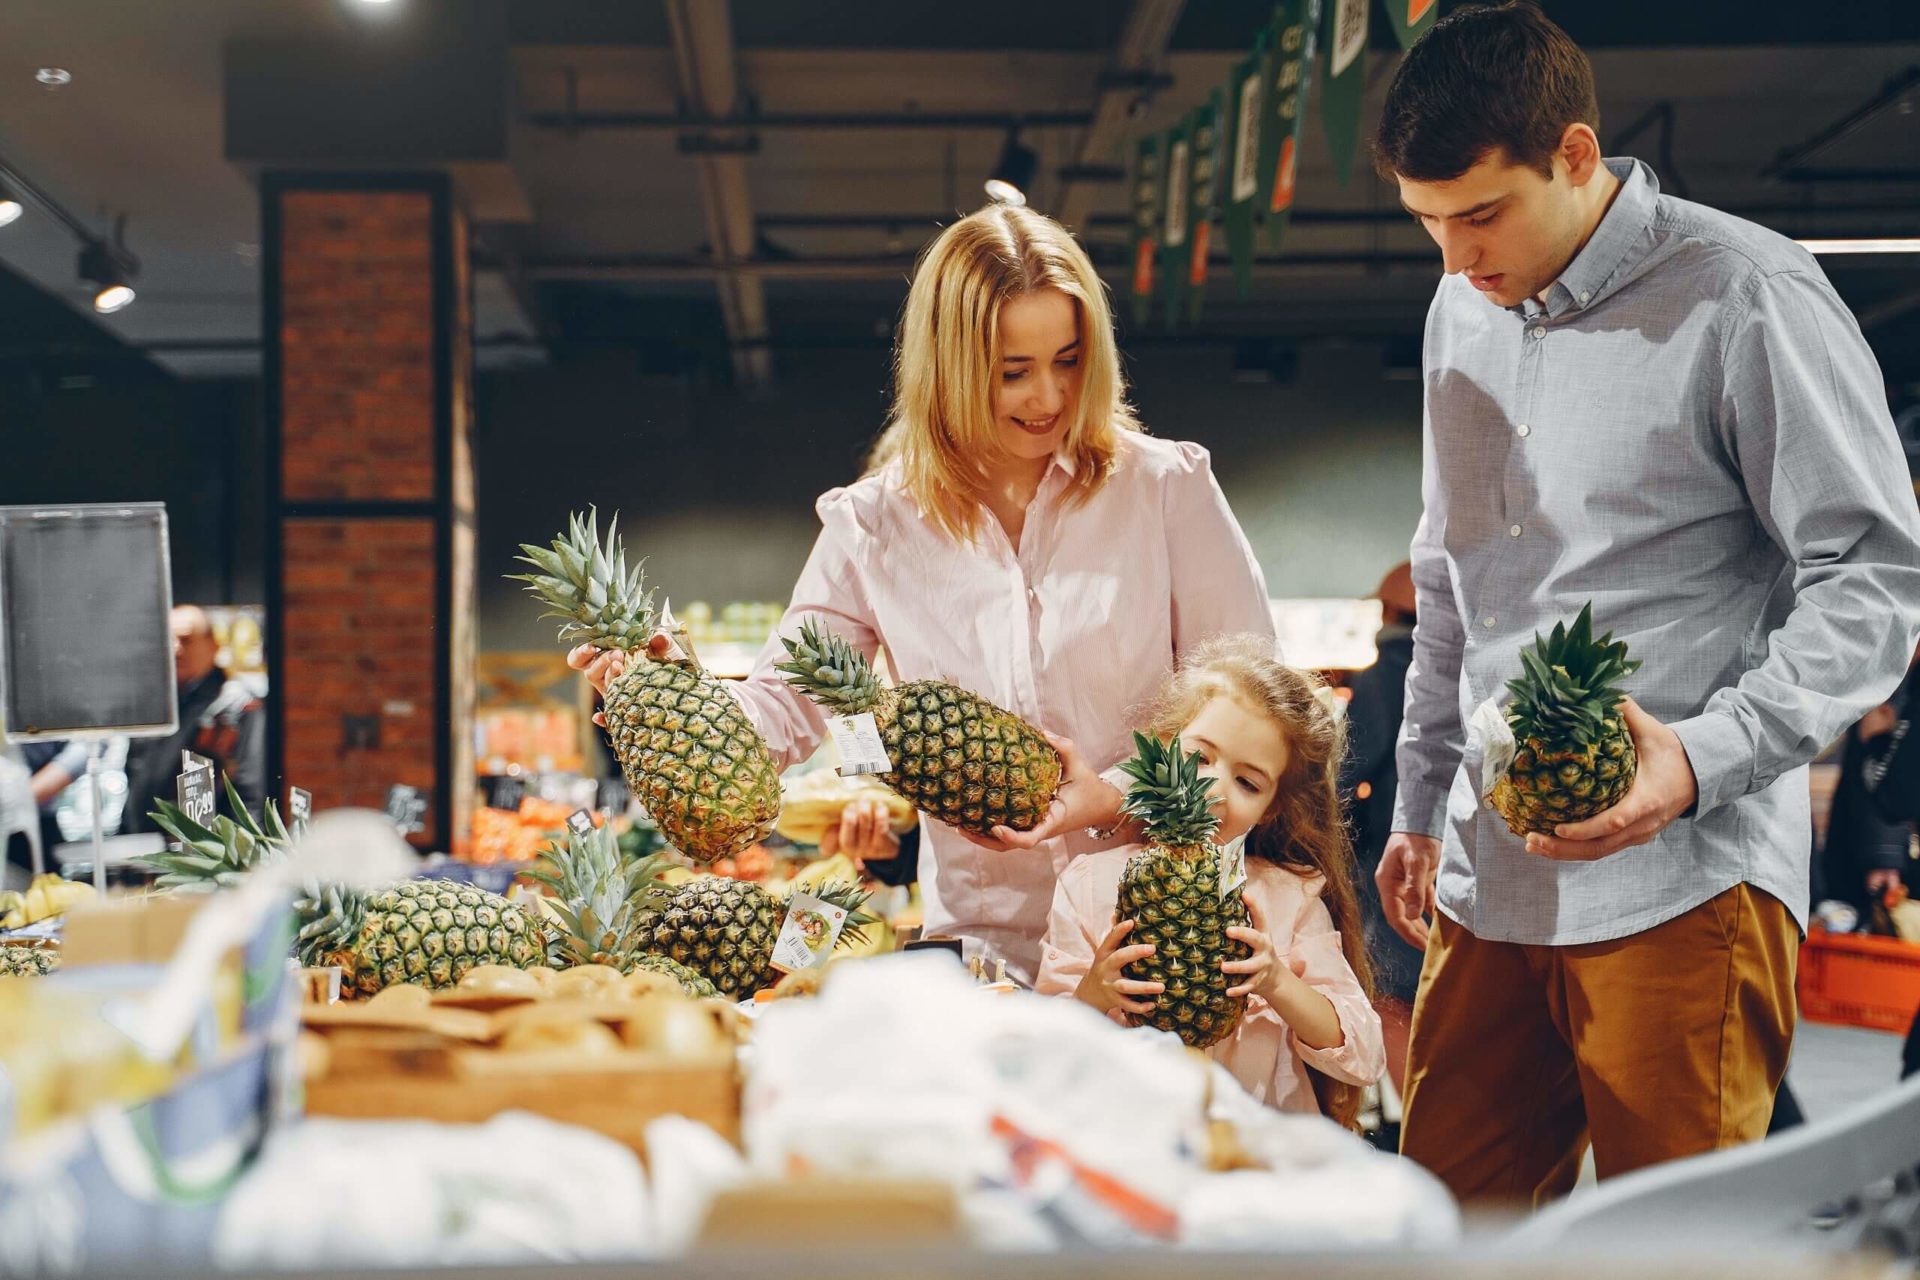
1494,76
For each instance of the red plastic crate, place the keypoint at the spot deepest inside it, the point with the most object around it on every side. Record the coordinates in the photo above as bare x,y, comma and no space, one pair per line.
1859,980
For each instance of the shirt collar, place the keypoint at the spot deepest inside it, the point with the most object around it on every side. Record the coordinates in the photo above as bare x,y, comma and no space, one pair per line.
1595,270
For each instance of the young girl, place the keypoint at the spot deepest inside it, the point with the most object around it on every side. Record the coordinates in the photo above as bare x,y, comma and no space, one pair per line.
1268,737
1019,535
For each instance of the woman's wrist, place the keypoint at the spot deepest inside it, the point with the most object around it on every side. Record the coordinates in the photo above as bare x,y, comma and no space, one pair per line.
1105,811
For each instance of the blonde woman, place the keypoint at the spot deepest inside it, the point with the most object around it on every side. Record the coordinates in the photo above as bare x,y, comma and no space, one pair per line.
1017,534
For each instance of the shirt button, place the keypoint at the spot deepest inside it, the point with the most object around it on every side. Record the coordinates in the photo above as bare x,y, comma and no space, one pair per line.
1488,621
1513,531
1523,430
1586,296
1535,331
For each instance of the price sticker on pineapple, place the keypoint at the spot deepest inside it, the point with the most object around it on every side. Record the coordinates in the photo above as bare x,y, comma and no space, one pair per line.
1233,866
857,738
808,937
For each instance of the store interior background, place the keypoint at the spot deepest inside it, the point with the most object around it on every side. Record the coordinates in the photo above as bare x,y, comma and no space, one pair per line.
623,393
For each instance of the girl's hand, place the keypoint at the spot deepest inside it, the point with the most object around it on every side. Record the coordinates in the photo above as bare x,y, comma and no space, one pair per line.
1263,972
1107,989
1084,799
604,666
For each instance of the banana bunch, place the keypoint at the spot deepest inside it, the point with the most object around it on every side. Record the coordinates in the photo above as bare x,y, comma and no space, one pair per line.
48,895
811,804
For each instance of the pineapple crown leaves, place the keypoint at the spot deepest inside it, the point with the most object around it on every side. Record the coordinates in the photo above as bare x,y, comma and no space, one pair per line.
329,919
597,894
1168,795
850,898
217,856
587,586
829,670
1566,689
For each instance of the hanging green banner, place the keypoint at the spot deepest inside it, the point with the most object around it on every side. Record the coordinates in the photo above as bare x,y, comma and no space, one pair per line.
1345,38
1246,96
1175,244
1149,186
1411,18
1293,37
1208,134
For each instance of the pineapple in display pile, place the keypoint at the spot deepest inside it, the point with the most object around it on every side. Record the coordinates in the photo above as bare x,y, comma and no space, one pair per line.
725,929
599,894
25,960
427,932
955,755
688,750
1171,891
1573,757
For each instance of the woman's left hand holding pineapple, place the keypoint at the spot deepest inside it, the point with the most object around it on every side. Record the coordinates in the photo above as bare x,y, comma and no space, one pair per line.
1084,799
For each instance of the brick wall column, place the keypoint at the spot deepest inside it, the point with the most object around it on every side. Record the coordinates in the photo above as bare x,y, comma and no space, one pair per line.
369,531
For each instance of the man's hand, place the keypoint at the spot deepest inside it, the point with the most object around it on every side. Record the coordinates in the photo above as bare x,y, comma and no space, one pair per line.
1085,799
1879,722
1663,788
1882,879
862,834
1408,867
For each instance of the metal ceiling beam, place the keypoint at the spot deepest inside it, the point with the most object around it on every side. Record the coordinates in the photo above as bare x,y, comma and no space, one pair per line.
1886,312
703,57
892,267
1790,162
695,122
1140,49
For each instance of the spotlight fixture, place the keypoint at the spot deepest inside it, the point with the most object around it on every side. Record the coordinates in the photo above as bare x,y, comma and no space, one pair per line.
1878,244
10,208
54,77
110,268
1014,173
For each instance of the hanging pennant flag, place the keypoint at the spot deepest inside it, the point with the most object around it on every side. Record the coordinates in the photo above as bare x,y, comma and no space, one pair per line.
1411,18
1246,96
1174,243
1149,185
1294,36
1207,132
1346,70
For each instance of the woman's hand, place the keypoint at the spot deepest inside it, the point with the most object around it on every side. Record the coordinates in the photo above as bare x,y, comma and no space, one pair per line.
603,666
1084,799
1106,986
863,834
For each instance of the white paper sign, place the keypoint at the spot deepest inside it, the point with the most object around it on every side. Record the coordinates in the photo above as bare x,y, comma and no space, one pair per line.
1349,33
1233,866
1491,737
858,740
1246,142
808,937
1174,229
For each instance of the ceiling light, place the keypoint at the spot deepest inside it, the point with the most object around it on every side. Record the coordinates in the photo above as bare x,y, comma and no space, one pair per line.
1014,173
53,77
110,269
10,208
1884,244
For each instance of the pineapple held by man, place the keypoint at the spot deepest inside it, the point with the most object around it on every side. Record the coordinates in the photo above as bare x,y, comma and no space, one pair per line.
955,755
1171,891
725,929
1573,756
688,751
598,897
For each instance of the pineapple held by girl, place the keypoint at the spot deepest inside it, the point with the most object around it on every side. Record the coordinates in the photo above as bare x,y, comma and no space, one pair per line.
688,751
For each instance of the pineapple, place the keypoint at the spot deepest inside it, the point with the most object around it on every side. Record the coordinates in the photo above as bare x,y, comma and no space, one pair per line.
429,932
1573,756
1171,891
598,896
687,749
956,756
725,929
25,960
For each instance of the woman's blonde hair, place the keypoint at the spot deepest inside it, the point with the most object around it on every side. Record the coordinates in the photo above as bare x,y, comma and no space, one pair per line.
1304,830
948,353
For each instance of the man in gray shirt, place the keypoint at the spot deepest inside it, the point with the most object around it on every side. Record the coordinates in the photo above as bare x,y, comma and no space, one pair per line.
1647,404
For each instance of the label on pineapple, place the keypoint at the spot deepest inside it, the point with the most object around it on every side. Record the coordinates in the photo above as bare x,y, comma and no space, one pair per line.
407,808
1233,866
808,936
858,741
299,808
580,822
1491,737
194,788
